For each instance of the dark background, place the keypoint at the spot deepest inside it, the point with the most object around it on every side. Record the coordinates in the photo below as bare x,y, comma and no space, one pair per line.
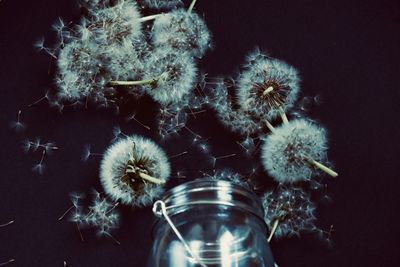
347,52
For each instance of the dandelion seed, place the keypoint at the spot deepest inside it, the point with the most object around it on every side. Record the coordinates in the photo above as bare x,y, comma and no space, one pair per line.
178,155
39,45
18,126
214,159
66,212
294,151
133,171
45,97
180,175
133,117
6,224
87,153
39,168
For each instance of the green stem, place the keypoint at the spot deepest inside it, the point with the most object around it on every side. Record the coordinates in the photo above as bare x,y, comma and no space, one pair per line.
151,17
273,230
283,116
190,9
141,82
270,127
322,167
151,178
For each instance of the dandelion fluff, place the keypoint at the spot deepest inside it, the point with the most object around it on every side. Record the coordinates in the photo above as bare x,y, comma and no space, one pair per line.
162,4
286,153
173,76
78,72
288,211
124,161
183,31
235,119
114,24
267,86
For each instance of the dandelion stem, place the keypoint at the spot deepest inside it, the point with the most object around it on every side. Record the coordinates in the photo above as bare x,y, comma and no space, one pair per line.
322,167
6,224
270,127
65,213
151,178
151,17
127,83
190,9
268,90
283,116
273,230
7,262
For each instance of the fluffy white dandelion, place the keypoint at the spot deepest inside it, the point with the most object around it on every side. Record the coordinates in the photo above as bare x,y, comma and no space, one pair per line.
133,171
267,87
79,72
116,23
236,120
294,152
182,30
162,4
288,211
169,76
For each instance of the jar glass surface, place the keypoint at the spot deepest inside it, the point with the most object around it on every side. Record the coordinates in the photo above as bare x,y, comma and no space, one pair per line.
220,222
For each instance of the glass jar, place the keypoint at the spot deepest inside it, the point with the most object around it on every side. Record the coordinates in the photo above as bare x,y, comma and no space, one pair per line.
210,223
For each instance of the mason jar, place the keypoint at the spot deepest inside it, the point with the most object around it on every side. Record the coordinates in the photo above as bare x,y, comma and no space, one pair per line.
210,223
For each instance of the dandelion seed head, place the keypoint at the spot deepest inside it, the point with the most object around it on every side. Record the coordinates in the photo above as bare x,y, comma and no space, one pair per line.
79,75
174,76
285,152
182,31
116,23
292,207
236,120
148,156
125,61
266,85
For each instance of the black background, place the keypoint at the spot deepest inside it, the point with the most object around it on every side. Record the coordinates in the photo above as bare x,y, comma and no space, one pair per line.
346,51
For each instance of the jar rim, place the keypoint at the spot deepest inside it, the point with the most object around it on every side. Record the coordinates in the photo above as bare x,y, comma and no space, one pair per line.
219,192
